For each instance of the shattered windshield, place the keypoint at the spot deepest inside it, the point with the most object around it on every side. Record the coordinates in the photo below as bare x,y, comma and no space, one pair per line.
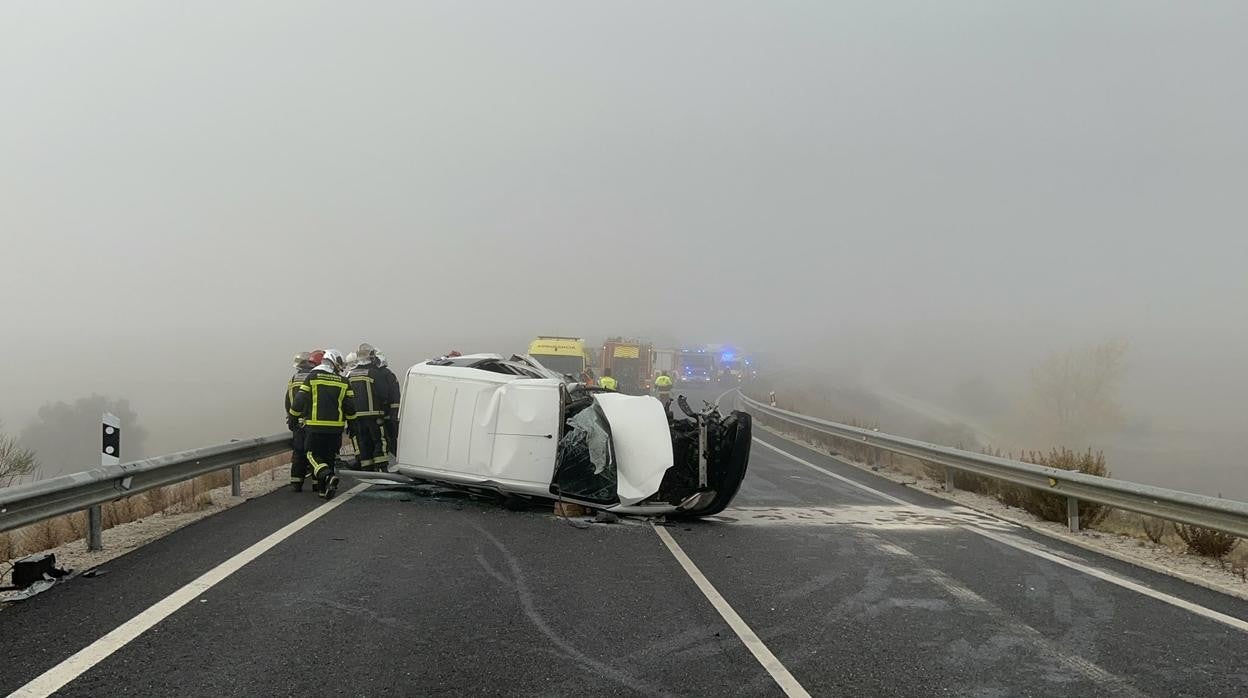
585,466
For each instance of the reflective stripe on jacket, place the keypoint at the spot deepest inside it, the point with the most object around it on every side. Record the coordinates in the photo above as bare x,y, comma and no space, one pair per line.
371,389
394,393
292,386
324,401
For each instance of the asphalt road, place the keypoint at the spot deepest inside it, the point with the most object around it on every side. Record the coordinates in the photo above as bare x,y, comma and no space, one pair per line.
397,593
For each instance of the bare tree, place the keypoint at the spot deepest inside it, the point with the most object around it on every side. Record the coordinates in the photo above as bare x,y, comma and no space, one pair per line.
15,462
1074,394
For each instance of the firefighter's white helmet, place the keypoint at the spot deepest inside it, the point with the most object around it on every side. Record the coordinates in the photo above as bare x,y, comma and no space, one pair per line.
334,359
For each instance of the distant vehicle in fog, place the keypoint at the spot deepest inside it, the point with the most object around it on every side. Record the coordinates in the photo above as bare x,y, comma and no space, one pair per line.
631,363
563,355
665,361
697,366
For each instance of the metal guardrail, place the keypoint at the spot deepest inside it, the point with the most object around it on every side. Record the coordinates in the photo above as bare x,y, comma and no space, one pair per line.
23,505
1225,515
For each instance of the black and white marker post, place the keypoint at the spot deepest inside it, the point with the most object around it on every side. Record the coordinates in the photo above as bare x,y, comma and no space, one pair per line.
110,454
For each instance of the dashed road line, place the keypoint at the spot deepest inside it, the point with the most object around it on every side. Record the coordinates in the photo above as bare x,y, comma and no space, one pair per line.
785,680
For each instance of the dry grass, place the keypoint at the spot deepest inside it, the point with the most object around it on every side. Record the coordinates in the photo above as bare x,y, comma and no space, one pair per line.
1154,529
192,495
1167,535
1051,507
1206,541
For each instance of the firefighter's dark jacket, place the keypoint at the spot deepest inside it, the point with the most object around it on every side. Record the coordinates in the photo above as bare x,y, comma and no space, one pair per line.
393,382
292,387
375,392
324,400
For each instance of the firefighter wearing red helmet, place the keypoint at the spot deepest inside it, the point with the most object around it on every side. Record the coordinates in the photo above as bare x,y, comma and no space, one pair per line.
325,403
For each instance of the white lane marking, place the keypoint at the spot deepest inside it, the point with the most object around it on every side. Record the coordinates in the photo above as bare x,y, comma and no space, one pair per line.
1110,577
781,675
1105,680
831,474
55,678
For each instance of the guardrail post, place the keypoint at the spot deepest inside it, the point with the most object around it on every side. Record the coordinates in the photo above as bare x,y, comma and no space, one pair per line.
236,481
949,479
95,528
1072,514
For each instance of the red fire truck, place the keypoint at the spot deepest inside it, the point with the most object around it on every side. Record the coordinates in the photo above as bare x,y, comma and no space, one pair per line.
631,362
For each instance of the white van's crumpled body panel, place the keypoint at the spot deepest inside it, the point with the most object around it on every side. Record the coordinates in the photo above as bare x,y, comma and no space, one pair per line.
472,427
642,441
526,432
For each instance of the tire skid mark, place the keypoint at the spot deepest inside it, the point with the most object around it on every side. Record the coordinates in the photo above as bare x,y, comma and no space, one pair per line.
525,596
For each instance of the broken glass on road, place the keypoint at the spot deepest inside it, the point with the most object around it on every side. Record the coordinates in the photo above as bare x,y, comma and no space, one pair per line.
585,467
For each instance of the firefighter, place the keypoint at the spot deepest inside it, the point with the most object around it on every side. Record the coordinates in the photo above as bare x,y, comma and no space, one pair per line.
325,403
663,386
607,381
298,453
371,389
392,414
351,362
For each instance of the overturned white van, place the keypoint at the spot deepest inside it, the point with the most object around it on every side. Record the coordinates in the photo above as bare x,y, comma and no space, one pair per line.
485,422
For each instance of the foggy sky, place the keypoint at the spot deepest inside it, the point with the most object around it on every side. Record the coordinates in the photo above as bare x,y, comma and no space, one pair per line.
191,193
